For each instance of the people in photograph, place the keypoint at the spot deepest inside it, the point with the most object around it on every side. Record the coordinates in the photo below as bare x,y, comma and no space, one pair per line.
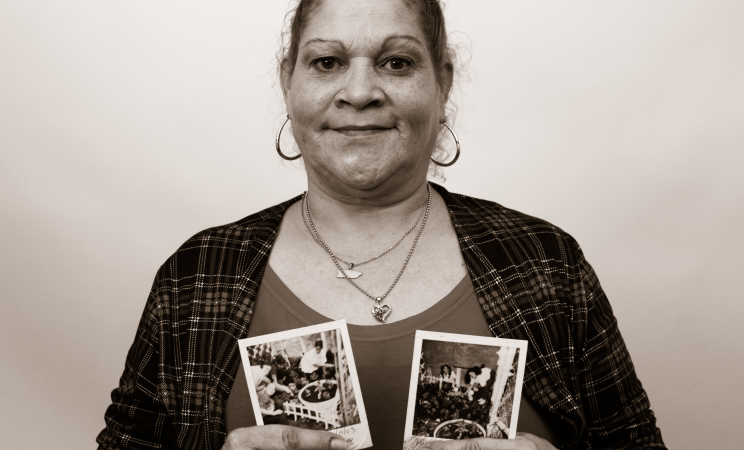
314,361
479,380
269,412
260,374
367,87
265,390
281,370
447,379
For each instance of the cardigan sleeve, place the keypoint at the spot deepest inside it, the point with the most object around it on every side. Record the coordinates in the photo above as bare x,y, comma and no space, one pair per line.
137,417
616,407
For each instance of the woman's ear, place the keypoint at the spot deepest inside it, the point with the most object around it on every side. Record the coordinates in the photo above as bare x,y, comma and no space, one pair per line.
285,77
445,77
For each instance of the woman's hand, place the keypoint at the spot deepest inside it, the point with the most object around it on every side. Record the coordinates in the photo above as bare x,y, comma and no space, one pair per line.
282,437
523,441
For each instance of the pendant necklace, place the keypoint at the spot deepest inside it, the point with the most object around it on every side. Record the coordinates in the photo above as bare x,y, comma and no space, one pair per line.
380,311
349,273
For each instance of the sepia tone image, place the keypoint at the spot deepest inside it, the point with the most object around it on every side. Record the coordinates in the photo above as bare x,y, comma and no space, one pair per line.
305,378
464,387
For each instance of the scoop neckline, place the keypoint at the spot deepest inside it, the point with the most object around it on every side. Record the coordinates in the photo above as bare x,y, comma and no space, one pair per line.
383,332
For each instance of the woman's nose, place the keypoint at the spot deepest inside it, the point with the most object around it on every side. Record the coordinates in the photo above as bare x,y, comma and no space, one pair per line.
362,87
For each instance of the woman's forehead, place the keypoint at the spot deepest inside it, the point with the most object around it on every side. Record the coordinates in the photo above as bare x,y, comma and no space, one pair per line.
355,22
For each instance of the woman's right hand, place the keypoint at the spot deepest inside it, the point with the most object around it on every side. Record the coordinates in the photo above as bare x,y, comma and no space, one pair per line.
282,437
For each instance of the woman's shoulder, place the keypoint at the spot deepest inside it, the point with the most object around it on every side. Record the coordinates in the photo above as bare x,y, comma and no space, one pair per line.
227,250
260,224
483,220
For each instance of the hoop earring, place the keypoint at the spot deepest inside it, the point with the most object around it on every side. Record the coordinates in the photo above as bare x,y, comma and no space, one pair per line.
457,155
279,149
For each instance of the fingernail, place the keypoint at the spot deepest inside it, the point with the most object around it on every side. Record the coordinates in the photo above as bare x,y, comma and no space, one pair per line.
339,444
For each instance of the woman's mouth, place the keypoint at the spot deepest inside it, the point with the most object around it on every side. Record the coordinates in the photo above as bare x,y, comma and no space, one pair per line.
364,130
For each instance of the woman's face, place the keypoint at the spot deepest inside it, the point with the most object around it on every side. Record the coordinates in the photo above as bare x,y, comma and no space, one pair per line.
364,99
446,370
473,376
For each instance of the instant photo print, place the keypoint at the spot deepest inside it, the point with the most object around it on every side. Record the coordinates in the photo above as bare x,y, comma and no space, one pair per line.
463,387
306,378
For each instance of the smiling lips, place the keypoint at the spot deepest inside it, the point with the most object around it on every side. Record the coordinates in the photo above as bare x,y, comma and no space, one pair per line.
361,130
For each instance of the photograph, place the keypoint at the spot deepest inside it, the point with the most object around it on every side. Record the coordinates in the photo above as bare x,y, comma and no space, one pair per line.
306,378
464,387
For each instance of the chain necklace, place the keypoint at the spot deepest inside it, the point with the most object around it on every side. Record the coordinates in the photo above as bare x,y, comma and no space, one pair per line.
380,311
349,273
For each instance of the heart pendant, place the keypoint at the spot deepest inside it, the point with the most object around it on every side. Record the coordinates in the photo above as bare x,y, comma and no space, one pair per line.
381,312
348,274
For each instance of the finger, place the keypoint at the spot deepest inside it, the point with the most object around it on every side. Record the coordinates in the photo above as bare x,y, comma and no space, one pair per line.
283,437
294,438
538,442
471,444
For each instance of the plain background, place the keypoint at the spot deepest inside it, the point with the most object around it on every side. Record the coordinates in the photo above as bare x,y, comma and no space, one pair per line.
126,127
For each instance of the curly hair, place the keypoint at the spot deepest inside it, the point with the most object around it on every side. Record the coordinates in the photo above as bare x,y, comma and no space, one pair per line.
476,370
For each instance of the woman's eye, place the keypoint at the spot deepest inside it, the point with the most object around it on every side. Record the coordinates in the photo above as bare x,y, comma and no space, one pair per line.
397,64
326,64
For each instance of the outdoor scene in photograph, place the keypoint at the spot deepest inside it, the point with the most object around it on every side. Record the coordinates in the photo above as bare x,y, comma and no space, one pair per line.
464,390
304,381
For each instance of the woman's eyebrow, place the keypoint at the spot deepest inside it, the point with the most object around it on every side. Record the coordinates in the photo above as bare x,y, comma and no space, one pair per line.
319,41
388,41
405,43
406,37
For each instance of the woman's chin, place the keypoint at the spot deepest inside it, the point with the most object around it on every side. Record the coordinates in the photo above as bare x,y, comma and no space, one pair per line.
357,173
364,173
363,181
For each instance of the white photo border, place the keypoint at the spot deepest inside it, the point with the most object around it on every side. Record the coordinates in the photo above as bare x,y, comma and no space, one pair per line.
465,339
243,344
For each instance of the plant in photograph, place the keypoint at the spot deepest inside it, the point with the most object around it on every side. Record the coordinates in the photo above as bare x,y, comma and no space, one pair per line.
459,429
435,407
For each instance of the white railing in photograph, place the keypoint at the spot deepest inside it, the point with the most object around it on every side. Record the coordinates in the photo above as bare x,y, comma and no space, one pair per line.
329,419
430,379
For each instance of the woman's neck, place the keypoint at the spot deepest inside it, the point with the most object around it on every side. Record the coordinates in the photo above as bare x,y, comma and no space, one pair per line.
364,221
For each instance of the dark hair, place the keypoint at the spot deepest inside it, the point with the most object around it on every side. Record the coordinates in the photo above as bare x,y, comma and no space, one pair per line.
449,369
430,18
475,369
319,343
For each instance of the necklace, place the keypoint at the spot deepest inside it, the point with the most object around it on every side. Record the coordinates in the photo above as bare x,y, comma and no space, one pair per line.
380,310
349,273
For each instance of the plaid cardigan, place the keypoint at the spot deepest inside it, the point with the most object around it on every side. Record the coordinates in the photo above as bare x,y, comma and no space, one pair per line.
531,280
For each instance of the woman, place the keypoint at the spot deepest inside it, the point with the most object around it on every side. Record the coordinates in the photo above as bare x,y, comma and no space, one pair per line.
479,381
366,84
314,361
447,379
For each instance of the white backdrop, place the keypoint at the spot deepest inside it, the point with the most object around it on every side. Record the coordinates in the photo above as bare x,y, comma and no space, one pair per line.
126,127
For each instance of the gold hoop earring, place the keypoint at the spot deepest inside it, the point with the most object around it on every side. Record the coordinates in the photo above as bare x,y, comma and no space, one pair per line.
279,149
457,155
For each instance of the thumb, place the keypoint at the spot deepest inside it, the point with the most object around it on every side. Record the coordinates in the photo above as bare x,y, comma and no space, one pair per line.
471,444
282,437
294,438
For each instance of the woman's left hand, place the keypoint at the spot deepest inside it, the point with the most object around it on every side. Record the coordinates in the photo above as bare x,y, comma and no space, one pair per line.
523,441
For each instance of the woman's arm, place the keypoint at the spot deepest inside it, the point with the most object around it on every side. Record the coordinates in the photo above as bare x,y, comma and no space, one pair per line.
615,404
137,417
